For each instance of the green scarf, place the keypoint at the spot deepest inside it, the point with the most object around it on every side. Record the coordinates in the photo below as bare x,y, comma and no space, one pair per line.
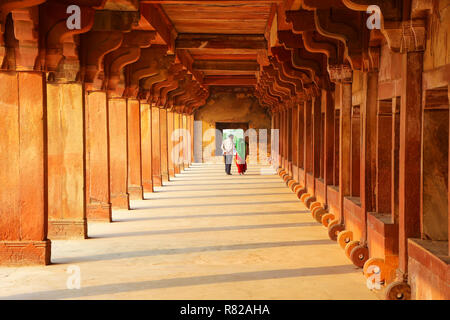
240,148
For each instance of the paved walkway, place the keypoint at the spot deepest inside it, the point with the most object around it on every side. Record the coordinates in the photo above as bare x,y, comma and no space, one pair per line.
203,235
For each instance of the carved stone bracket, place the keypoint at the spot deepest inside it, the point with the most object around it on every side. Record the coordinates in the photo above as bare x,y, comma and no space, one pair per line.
405,36
340,73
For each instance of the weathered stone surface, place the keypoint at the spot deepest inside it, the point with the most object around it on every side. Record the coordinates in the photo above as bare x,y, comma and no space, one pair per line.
23,213
118,152
66,160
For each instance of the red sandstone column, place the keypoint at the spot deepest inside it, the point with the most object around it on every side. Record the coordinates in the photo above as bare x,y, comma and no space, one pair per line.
134,150
164,146
308,138
118,149
176,125
23,213
185,142
281,136
281,122
328,162
280,139
66,161
294,135
301,141
97,157
170,128
146,147
285,141
384,158
344,145
156,148
289,140
410,153
316,126
368,148
191,131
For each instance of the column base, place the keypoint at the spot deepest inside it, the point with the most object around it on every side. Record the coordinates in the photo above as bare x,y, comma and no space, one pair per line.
136,192
177,169
99,212
120,201
147,186
171,173
67,229
157,181
165,176
25,253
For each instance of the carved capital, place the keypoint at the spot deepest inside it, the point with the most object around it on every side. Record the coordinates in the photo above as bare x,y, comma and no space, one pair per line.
95,45
340,73
60,46
26,49
128,53
405,36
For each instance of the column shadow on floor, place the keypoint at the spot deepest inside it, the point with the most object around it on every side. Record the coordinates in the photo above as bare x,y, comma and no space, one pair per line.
184,282
219,215
212,205
209,189
176,251
206,229
219,196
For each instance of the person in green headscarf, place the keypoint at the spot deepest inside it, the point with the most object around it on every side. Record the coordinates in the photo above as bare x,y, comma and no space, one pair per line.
241,155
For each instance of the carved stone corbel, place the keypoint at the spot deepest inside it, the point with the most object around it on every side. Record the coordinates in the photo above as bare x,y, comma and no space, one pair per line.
405,36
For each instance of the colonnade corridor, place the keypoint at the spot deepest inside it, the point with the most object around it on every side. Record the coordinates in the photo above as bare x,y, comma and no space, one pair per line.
203,235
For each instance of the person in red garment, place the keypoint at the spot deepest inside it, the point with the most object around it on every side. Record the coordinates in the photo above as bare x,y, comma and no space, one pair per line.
241,156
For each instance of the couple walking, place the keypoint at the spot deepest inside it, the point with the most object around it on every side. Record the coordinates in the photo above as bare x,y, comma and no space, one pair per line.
240,151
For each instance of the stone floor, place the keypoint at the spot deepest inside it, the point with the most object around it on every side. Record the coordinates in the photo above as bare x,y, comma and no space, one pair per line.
203,235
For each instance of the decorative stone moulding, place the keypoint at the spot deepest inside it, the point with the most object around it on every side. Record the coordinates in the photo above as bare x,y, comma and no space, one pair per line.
340,73
405,36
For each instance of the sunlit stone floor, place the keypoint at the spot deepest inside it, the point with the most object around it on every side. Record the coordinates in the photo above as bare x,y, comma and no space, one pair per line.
204,235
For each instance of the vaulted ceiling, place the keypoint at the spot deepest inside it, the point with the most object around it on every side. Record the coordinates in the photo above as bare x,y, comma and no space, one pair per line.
224,39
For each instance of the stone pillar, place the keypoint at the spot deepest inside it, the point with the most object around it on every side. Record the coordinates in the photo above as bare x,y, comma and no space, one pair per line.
384,158
134,150
156,148
395,158
289,140
170,128
191,141
176,125
280,138
97,157
164,146
308,137
118,149
186,138
316,136
146,147
410,153
301,138
66,161
23,211
294,135
285,141
368,147
280,122
344,144
328,141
